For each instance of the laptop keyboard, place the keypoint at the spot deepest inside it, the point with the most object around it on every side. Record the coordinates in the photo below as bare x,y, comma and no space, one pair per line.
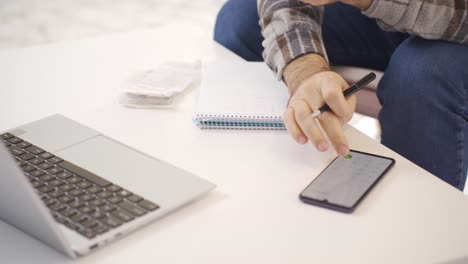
77,198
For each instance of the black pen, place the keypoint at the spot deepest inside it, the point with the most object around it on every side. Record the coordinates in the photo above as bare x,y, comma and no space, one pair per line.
348,92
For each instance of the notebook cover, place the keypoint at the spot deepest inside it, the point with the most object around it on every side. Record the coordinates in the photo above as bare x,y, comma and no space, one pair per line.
240,95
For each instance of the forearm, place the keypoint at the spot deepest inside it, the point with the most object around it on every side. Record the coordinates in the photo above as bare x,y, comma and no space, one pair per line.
444,19
291,29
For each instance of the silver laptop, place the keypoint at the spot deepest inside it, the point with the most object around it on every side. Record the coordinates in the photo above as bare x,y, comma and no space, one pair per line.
77,190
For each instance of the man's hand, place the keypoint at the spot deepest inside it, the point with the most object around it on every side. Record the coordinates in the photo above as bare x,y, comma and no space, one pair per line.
311,86
361,4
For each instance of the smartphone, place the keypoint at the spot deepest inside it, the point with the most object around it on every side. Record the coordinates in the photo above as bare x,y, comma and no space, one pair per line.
346,180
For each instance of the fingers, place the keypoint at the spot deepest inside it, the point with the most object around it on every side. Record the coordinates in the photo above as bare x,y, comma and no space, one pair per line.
308,125
332,125
351,101
293,128
331,122
321,88
328,90
303,127
332,94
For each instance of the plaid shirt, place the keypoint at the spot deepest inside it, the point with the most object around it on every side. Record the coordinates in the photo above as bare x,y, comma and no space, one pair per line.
293,28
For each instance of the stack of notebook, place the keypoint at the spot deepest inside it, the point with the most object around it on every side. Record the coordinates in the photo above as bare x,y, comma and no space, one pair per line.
241,95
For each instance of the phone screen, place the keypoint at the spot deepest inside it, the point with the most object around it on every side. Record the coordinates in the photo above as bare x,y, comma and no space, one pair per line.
344,182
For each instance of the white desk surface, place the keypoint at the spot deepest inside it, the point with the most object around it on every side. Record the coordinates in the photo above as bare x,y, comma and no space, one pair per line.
254,215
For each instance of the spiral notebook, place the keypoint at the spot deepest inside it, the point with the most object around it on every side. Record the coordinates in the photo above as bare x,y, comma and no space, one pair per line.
240,95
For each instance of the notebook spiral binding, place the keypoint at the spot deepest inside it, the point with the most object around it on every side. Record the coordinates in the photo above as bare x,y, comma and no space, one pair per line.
245,122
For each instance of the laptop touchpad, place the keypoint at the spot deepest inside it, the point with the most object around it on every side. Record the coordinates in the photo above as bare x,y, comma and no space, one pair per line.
133,170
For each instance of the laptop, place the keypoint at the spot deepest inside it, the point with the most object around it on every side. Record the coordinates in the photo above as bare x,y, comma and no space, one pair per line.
76,189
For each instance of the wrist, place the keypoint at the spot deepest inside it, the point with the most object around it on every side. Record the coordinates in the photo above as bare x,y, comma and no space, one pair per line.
303,68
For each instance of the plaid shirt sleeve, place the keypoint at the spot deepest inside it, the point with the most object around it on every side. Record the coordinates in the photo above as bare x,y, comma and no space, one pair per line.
430,19
291,29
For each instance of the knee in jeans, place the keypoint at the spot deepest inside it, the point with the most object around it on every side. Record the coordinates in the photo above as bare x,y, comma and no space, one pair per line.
234,21
423,93
417,61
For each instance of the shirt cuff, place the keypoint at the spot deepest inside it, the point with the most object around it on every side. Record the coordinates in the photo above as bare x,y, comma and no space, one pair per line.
291,45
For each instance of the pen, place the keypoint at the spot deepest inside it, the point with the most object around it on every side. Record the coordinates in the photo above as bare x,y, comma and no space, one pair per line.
348,92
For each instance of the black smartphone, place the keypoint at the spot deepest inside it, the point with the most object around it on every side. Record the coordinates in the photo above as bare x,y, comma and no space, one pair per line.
346,180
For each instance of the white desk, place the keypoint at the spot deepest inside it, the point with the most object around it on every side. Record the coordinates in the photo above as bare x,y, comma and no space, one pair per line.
254,216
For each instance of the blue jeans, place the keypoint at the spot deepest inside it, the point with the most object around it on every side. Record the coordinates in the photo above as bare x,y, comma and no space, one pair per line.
423,92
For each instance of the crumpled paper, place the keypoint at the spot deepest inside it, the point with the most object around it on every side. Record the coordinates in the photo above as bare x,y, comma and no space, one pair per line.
157,88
